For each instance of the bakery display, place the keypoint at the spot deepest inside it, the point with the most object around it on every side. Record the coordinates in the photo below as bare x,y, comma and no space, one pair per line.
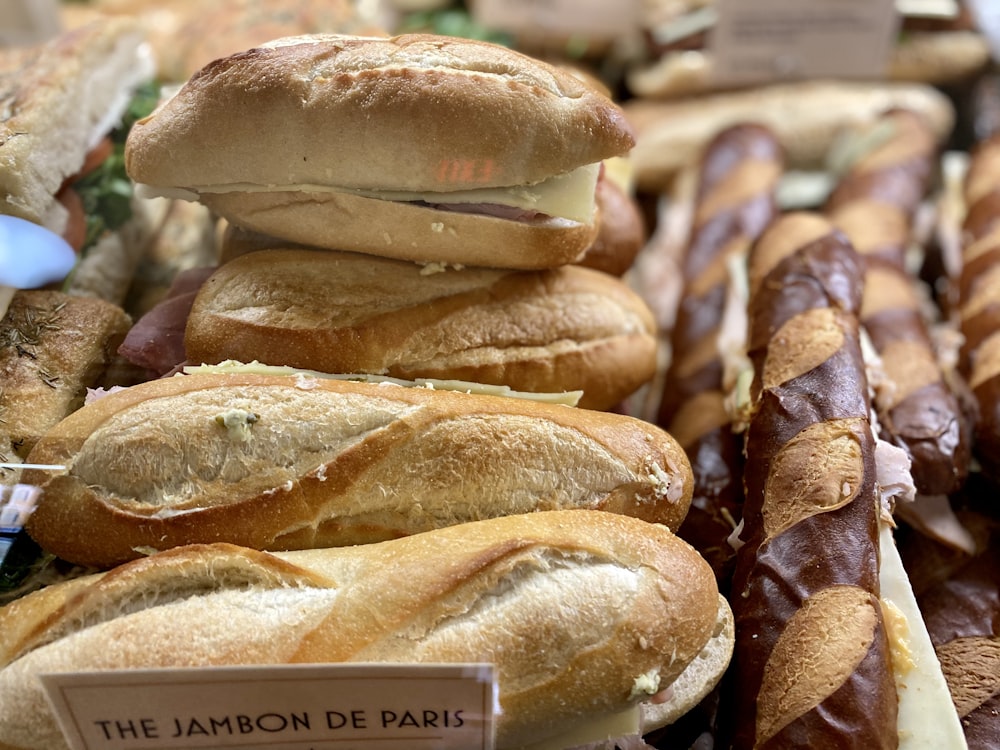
671,398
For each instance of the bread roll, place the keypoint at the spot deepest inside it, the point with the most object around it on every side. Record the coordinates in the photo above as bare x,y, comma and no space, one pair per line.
552,331
417,147
583,613
285,462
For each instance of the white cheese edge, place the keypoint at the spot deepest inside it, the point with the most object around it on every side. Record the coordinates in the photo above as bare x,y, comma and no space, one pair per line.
587,731
927,717
229,367
566,196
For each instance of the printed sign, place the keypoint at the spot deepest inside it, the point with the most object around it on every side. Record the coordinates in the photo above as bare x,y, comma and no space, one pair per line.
287,707
774,40
596,18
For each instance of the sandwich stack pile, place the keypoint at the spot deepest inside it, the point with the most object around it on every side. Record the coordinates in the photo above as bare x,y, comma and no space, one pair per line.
410,207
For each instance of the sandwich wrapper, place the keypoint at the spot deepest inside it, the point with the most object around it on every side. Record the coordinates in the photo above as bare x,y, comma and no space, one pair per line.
30,256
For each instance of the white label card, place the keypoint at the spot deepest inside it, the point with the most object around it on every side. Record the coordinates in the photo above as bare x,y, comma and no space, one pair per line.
598,18
28,21
774,40
287,707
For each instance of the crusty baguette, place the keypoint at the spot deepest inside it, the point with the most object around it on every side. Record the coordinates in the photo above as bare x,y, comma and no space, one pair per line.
410,147
583,613
284,462
735,201
376,113
805,116
564,329
53,347
812,655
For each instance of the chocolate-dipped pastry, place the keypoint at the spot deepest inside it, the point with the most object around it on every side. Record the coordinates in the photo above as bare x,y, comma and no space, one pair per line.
734,201
979,299
874,203
812,656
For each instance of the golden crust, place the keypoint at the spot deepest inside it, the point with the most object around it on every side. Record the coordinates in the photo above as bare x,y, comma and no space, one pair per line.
567,329
376,113
53,347
327,462
481,591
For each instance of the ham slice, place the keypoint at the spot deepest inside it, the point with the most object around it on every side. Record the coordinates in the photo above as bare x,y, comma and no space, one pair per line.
156,341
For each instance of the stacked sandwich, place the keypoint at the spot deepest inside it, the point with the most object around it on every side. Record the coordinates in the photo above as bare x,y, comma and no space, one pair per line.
460,177
418,206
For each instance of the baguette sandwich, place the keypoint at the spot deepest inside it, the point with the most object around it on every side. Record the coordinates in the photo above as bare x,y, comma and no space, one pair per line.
738,175
416,147
552,331
292,461
584,615
63,105
831,646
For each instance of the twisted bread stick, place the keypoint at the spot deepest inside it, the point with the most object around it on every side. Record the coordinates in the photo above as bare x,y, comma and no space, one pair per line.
874,203
979,299
735,201
812,656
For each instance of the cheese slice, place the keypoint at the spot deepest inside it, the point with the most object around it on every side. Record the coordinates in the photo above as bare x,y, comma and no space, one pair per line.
594,730
927,716
230,366
566,196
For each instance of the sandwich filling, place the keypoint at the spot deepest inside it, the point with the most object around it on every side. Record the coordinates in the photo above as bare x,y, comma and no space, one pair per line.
569,196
